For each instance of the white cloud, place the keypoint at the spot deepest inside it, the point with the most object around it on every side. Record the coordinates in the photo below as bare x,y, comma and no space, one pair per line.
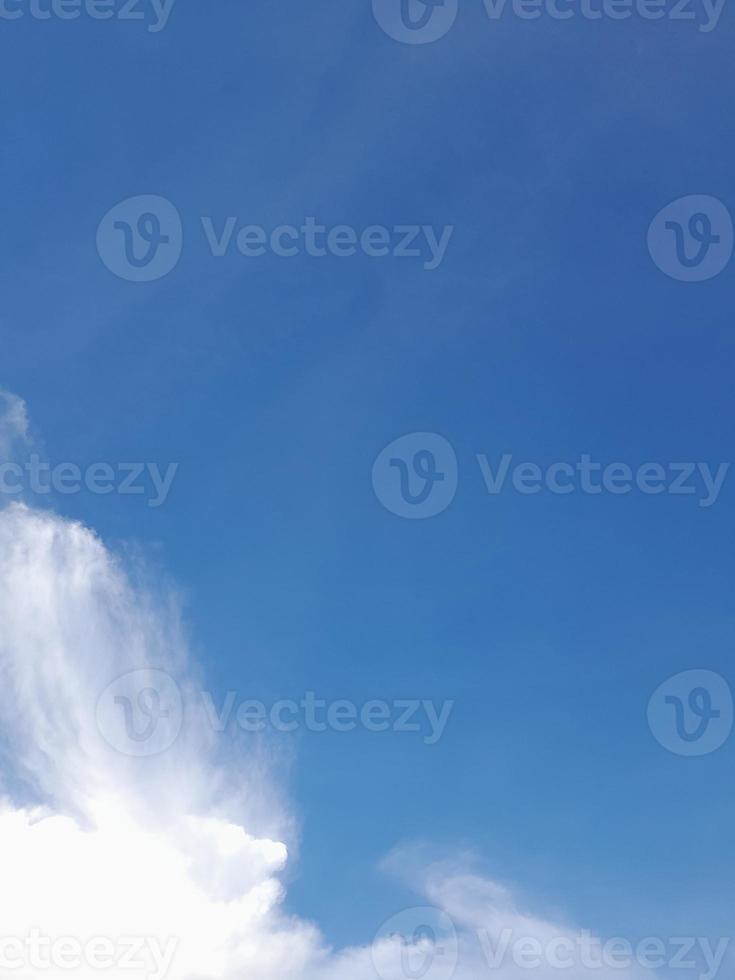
94,842
179,848
97,843
13,423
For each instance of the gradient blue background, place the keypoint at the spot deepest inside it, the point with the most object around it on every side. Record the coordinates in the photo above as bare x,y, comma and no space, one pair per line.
547,332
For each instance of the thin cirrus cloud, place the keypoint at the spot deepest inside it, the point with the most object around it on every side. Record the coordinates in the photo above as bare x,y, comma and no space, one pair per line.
13,422
182,848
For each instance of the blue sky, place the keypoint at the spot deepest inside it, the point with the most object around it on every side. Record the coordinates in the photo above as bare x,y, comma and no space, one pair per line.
547,332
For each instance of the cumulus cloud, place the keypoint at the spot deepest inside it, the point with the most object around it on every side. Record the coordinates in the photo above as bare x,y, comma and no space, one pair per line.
124,832
96,842
101,841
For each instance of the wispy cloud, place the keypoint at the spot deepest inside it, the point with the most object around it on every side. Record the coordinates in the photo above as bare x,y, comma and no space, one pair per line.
13,423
